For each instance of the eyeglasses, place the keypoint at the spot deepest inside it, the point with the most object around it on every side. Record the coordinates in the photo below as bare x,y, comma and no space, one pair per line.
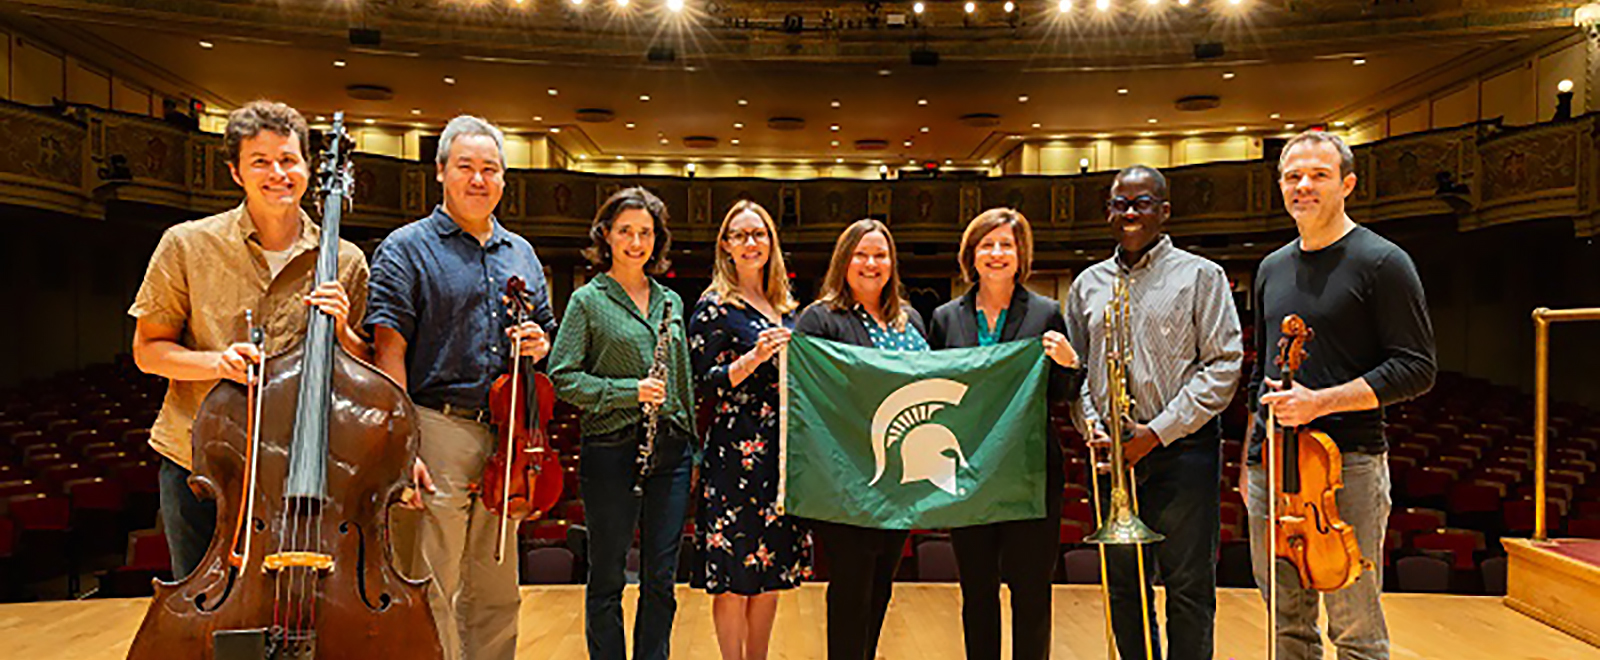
1142,204
739,237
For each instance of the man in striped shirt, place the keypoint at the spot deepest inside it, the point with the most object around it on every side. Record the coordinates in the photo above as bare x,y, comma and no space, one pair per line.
1185,362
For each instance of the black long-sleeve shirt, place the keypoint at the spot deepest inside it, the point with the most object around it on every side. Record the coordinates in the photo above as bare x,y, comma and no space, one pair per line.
1363,300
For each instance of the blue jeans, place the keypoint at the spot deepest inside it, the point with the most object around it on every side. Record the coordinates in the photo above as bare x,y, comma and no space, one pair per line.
606,472
189,521
1355,615
1179,496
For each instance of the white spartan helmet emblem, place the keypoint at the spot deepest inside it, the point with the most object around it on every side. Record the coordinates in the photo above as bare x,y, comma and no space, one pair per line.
929,452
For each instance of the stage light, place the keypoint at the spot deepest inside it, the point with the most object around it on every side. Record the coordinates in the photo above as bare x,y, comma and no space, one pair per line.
691,167
371,121
970,7
1338,124
1235,2
623,4
675,5
1184,3
1152,3
917,8
619,157
1102,5
555,129
838,161
1239,129
207,45
1064,6
1564,86
577,3
986,161
1010,6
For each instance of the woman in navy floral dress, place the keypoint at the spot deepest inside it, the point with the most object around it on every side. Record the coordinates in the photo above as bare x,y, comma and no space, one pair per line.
748,551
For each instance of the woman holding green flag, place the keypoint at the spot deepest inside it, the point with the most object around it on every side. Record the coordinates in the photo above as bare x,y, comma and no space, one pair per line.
997,256
862,303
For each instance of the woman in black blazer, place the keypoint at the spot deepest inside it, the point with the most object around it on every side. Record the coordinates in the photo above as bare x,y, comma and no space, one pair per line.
996,255
862,303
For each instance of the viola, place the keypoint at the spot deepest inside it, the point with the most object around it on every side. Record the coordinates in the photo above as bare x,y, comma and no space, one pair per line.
1307,473
522,480
303,465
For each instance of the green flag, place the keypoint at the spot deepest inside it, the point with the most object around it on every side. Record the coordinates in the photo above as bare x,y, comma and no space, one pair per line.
902,440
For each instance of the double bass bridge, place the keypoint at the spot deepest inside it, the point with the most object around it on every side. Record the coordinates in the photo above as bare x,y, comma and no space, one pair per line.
313,560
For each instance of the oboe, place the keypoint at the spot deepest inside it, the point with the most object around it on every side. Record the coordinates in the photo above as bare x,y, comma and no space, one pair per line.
652,411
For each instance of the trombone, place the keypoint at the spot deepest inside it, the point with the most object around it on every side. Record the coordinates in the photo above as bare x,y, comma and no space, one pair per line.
1121,525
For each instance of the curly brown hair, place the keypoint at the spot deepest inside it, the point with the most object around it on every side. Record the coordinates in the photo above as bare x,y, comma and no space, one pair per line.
256,116
599,250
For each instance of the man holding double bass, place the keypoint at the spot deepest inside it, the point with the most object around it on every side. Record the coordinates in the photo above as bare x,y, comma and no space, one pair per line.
441,324
1373,347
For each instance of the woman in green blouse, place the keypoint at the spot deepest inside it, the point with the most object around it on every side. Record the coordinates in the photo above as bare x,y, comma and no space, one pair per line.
600,363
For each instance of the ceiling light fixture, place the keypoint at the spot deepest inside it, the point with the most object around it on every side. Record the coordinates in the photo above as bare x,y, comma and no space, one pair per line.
1227,75
449,80
338,64
970,7
644,98
917,8
924,129
1022,98
1123,91
675,6
1358,61
834,103
552,91
207,45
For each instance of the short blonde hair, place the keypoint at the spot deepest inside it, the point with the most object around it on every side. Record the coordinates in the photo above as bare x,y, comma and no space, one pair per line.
989,221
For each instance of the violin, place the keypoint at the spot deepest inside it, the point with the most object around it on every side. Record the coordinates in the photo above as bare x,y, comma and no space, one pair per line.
1306,473
522,480
303,463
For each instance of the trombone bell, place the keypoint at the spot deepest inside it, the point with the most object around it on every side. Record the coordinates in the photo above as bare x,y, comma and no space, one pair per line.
1122,527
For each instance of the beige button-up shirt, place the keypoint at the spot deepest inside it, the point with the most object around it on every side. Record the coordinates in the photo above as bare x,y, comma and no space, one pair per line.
204,275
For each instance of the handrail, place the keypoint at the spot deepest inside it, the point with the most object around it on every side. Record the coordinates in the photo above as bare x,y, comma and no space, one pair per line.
1542,318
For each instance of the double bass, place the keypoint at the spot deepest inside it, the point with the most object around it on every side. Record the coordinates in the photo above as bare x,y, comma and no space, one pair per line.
1304,475
303,464
522,480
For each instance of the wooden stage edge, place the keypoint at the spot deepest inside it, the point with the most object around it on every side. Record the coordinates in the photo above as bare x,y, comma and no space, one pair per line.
924,623
1557,583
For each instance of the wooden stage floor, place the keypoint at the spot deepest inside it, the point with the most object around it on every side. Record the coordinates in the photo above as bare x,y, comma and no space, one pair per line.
923,624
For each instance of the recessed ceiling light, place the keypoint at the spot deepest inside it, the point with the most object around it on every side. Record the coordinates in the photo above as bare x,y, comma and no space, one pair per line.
884,72
735,142
922,101
449,80
986,161
555,129
738,125
1152,120
1022,98
629,125
370,121
907,143
416,111
834,127
917,7
663,140
1227,75
1123,91
1147,133
970,7
1037,125
834,143
1010,6
207,45
1339,124
620,3
838,160
553,91
583,156
834,103
743,102
644,98
1274,116
912,161
619,156
339,63
1358,61
924,129
947,161
321,118
1239,129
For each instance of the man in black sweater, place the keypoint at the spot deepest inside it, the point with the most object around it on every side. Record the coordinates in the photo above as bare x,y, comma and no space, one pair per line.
1373,348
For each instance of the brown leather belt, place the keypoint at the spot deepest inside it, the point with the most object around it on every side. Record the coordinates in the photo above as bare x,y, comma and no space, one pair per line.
479,415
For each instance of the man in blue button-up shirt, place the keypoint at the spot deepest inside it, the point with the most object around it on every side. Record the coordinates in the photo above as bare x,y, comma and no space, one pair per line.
441,328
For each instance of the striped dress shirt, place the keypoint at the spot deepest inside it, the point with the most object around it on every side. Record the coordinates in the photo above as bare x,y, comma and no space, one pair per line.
1186,348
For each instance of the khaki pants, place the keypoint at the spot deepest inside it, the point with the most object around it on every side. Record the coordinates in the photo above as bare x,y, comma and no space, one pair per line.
474,600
